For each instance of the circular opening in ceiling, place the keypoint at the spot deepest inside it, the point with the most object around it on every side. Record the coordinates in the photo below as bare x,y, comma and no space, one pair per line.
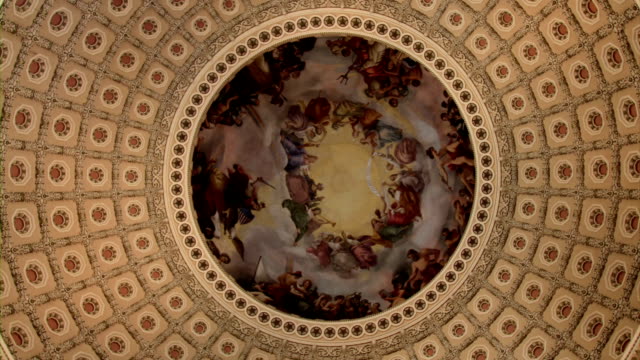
333,177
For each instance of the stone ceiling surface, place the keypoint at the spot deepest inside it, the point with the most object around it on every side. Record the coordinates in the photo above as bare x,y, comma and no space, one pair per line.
102,99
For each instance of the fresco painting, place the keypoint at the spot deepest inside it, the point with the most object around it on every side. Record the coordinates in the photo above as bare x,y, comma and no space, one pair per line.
333,177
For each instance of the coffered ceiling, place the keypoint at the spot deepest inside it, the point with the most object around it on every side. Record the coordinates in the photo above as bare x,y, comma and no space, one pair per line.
101,257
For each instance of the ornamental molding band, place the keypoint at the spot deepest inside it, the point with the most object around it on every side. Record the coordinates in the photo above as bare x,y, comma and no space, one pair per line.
184,131
339,179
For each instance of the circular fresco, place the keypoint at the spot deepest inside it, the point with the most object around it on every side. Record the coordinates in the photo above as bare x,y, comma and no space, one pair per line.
333,177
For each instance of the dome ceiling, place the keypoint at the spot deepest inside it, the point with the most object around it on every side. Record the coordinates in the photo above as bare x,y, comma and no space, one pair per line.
102,252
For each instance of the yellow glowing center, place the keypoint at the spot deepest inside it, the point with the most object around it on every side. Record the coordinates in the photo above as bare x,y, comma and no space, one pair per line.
342,168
